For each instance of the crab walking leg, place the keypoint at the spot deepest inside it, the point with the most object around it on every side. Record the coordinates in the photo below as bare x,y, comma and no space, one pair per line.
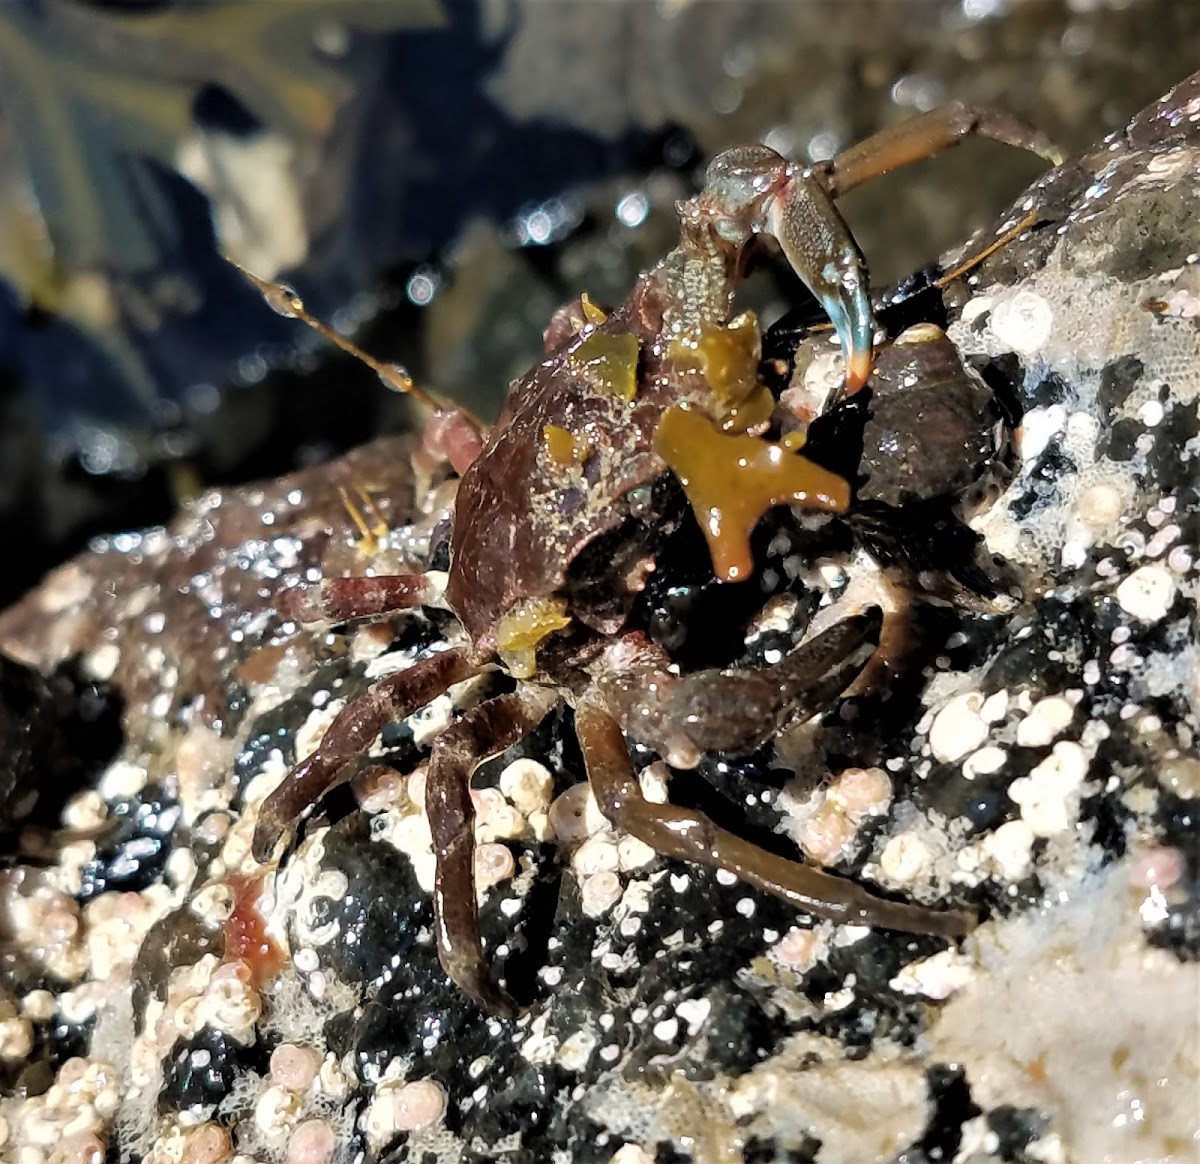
334,600
351,733
451,436
737,711
482,732
692,836
751,189
925,135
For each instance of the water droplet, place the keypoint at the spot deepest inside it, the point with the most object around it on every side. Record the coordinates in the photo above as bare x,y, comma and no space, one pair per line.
283,300
422,286
632,209
395,377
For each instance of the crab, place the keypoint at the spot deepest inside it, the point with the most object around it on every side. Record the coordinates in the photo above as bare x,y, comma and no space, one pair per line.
562,509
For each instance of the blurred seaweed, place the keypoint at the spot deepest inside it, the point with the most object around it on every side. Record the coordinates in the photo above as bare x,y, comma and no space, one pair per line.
141,140
106,107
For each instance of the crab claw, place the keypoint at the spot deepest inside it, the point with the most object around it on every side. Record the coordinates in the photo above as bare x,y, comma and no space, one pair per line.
752,189
817,243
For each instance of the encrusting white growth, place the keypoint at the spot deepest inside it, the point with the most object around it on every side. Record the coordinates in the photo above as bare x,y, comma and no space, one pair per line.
1148,593
958,728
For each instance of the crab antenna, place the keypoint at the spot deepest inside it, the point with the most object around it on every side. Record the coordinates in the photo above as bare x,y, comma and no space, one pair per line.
1001,240
283,299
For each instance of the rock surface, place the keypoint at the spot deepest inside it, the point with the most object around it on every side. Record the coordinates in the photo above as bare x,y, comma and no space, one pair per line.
163,998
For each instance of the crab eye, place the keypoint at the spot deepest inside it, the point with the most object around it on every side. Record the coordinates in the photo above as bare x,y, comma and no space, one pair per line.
640,500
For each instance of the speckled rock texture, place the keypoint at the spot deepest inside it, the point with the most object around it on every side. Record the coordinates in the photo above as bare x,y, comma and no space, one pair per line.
163,998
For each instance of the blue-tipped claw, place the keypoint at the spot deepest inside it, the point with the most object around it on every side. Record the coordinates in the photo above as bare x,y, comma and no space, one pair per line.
753,189
848,306
818,245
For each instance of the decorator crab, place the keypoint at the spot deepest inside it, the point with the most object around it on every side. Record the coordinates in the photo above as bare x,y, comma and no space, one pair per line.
559,516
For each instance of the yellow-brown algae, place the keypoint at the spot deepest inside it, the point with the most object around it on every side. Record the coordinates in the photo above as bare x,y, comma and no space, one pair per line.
725,355
566,449
732,479
523,627
609,362
593,314
750,414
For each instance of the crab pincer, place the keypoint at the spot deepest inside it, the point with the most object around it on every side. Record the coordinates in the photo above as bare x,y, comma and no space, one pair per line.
753,190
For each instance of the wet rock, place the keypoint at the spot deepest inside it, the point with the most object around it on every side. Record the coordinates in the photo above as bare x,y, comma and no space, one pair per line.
133,853
200,1072
24,736
183,617
1035,759
56,733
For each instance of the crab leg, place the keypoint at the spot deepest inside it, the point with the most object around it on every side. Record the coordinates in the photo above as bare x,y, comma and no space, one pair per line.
692,836
923,136
751,189
737,711
334,600
452,436
351,733
818,245
482,732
